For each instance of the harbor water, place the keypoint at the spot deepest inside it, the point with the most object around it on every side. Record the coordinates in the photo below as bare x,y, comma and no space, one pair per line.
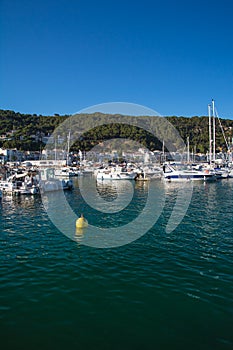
163,290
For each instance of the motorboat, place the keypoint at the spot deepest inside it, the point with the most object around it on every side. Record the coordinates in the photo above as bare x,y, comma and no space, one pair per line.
7,186
230,174
149,173
115,173
183,173
18,184
66,172
48,182
221,173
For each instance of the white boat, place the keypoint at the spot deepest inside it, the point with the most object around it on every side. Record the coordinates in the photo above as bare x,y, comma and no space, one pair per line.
221,173
230,173
182,173
115,173
7,186
48,182
19,184
66,172
150,172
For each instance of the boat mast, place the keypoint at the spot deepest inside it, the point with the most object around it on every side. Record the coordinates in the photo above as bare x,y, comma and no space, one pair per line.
210,134
227,143
55,151
68,149
163,150
188,156
214,139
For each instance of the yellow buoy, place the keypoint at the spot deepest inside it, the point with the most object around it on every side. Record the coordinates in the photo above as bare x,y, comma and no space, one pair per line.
81,222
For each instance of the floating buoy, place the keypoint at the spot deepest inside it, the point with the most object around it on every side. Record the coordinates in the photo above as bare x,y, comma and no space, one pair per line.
79,232
81,222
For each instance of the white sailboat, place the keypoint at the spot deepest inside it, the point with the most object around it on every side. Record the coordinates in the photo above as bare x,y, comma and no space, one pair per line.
220,172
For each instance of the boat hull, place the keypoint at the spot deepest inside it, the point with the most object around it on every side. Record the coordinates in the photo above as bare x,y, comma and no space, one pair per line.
115,176
189,177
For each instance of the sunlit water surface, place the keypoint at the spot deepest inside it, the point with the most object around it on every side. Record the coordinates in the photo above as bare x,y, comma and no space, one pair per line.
162,291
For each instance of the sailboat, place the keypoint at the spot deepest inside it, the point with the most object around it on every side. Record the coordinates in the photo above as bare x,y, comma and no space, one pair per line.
185,172
213,114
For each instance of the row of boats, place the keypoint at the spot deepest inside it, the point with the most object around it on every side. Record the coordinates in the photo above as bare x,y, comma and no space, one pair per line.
168,172
34,181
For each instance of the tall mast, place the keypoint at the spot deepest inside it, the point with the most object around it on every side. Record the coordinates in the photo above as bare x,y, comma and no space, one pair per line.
188,157
68,149
55,150
210,134
163,150
214,139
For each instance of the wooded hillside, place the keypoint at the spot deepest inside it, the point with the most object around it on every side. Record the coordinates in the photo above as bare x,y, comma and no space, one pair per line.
27,132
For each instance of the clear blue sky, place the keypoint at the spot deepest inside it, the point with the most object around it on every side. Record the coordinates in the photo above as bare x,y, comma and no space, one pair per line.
59,56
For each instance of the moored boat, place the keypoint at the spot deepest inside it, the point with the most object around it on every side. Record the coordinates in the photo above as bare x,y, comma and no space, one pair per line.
115,173
48,182
230,173
182,173
19,184
66,172
221,173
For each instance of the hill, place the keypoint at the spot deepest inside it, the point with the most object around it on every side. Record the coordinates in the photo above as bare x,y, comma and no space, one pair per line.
29,132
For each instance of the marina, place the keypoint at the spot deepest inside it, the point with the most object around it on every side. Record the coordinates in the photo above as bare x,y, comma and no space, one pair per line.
116,175
23,181
134,248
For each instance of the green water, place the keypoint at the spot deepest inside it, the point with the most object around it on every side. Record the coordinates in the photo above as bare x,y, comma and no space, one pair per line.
162,291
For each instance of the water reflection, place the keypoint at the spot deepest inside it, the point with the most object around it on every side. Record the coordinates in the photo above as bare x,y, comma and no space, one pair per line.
106,196
79,234
107,190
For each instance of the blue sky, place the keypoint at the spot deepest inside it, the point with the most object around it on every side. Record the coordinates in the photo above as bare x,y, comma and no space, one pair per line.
62,56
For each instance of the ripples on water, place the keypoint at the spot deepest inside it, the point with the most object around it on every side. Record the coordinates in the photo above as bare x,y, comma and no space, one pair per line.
163,291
